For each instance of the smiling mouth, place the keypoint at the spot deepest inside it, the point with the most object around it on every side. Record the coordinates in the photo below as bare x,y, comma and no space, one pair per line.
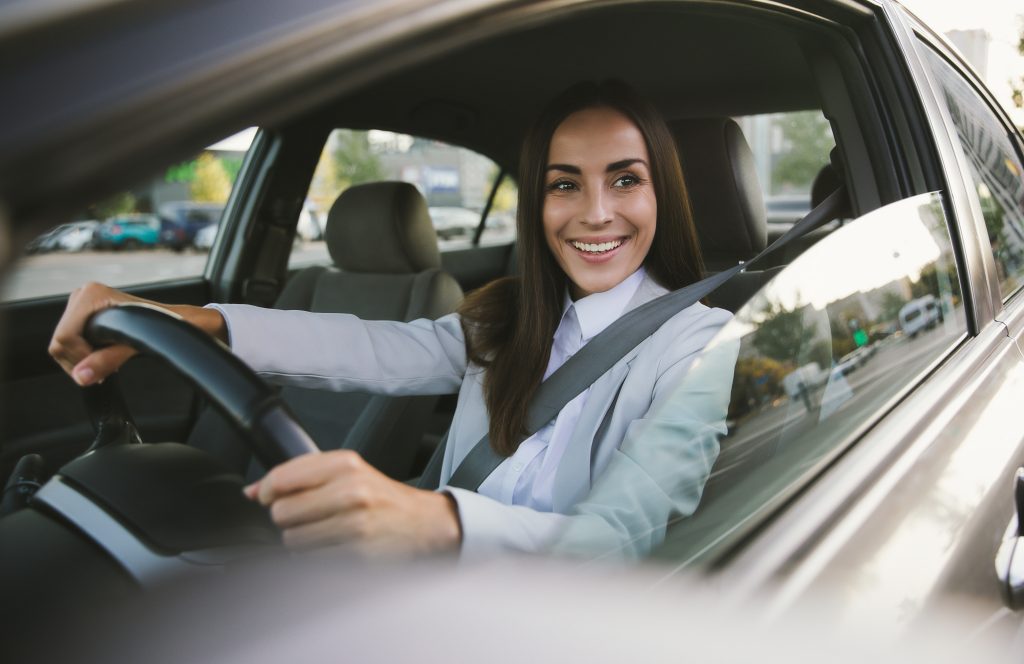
597,248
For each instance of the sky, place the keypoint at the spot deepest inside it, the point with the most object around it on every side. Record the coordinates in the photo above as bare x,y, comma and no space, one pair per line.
1001,19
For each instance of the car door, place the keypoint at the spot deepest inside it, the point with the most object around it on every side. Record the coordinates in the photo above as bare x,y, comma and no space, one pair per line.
44,412
910,516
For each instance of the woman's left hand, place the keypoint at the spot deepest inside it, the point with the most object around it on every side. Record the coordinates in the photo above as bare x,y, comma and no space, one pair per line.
337,499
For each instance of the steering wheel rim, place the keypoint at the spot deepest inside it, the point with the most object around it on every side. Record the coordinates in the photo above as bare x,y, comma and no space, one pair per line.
249,404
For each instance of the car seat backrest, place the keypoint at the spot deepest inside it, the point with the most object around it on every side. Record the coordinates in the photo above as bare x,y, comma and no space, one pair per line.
727,203
386,267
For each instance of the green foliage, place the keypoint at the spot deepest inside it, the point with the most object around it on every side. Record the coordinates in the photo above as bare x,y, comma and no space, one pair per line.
808,140
892,302
354,162
928,284
210,183
757,380
186,171
782,333
122,203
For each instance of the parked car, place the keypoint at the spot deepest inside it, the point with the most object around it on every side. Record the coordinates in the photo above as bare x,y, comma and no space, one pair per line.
74,236
181,220
454,222
128,232
205,236
889,491
919,314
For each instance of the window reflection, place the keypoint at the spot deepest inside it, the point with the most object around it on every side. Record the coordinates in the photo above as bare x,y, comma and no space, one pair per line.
814,356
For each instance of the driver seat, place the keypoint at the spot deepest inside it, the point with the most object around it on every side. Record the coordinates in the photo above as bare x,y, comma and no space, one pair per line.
386,266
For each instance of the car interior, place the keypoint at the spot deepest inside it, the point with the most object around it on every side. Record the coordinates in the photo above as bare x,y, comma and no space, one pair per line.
704,64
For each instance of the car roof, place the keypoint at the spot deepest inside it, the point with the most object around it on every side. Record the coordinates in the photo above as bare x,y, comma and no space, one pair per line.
475,86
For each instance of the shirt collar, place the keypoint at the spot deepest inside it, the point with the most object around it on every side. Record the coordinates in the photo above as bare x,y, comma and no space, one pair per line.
597,311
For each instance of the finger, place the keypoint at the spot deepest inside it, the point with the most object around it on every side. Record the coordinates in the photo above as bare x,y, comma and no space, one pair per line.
337,530
100,364
252,491
308,471
336,498
68,350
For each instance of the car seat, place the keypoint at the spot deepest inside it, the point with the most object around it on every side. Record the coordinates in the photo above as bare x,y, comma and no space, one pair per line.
727,203
386,266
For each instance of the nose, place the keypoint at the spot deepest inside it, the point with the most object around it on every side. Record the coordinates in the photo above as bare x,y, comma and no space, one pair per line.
598,207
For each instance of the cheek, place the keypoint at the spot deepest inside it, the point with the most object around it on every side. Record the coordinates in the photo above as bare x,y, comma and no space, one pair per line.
551,220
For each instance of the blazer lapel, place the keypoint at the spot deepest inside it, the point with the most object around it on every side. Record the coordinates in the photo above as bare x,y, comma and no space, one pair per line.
572,479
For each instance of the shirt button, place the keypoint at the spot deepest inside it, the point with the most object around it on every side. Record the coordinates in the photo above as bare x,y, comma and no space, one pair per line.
517,467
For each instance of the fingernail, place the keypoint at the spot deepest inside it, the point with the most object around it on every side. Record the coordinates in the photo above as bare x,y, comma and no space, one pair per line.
84,376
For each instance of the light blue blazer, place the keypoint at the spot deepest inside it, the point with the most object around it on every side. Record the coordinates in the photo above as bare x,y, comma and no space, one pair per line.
640,454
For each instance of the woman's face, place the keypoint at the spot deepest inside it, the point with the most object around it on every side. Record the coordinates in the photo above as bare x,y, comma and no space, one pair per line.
600,210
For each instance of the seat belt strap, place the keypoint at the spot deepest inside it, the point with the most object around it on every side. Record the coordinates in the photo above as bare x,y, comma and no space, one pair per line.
603,351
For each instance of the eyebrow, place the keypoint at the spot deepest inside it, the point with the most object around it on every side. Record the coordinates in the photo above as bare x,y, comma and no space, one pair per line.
614,166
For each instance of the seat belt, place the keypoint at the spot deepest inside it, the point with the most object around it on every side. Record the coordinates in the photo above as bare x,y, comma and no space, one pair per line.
603,351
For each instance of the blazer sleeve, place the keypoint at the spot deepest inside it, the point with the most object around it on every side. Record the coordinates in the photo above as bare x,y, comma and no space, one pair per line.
343,353
657,473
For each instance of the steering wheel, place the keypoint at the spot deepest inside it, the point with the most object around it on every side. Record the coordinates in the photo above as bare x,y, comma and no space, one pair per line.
252,407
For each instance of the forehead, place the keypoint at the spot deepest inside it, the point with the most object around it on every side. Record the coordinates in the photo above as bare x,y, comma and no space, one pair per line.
596,134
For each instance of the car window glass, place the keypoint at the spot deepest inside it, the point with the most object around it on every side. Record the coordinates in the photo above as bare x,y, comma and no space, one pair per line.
995,169
152,232
814,356
455,182
790,150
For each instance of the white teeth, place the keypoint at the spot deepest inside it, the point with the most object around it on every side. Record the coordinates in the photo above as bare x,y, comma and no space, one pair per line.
596,248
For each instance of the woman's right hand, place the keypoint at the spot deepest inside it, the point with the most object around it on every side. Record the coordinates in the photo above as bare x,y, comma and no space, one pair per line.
85,364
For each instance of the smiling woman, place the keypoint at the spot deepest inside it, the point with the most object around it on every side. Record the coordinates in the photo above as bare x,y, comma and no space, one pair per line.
621,194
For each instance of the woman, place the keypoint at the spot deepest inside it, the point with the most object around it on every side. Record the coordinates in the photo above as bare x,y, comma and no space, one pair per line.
604,226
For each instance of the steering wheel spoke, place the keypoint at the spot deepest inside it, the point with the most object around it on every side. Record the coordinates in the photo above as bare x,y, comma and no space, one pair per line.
109,415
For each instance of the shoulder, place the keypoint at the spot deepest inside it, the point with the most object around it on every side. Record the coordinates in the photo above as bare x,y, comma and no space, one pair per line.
696,319
683,337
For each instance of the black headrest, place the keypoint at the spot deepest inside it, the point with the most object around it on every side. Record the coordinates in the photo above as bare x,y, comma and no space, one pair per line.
828,179
728,206
382,227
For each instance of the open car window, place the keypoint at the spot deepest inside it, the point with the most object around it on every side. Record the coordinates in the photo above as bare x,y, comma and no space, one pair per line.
813,359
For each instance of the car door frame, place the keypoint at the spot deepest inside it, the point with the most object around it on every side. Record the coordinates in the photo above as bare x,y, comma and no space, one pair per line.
859,501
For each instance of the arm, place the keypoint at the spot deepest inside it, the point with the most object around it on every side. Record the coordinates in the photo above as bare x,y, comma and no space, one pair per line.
341,352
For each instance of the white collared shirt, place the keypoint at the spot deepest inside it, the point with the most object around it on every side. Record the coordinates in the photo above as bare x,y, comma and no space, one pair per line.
527,477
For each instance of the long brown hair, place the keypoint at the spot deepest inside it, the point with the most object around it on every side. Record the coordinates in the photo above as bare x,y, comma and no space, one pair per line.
510,323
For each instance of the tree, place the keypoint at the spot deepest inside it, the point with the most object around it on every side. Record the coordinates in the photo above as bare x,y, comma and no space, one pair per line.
892,302
782,333
354,162
808,141
211,183
122,203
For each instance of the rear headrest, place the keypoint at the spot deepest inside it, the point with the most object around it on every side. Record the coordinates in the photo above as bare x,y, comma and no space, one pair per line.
728,206
382,227
828,179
